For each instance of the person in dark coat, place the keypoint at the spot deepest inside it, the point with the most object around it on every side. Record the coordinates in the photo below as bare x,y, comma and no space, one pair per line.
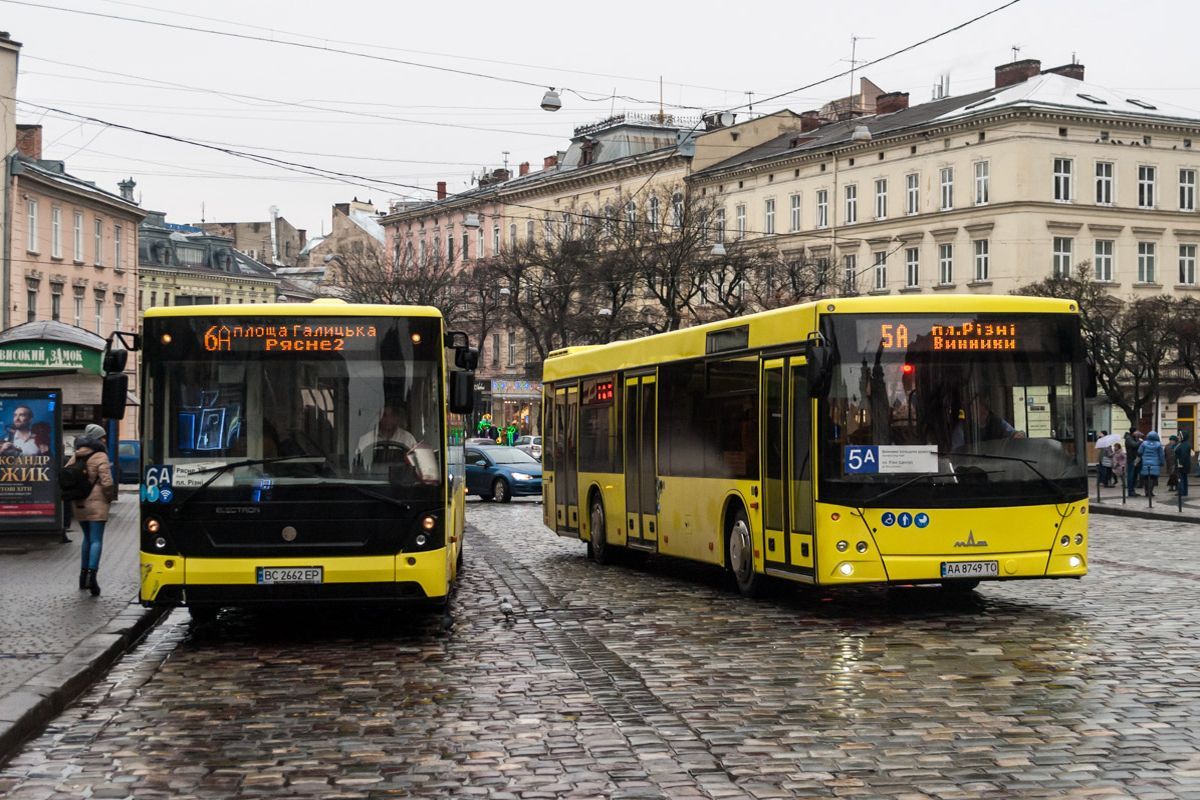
92,511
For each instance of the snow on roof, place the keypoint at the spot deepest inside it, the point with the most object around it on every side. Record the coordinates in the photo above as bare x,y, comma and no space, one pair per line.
311,243
370,223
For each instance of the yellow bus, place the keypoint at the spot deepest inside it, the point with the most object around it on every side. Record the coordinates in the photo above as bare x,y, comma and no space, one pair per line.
301,453
872,440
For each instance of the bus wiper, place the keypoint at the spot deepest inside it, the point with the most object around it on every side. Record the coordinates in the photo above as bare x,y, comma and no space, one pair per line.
1062,493
915,479
218,471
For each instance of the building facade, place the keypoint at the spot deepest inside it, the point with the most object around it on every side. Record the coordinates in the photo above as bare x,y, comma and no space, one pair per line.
274,242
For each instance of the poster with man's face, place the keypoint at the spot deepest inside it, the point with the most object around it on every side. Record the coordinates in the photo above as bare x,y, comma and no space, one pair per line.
30,443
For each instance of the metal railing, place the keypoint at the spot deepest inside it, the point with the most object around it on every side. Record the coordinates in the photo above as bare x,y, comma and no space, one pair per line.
1147,484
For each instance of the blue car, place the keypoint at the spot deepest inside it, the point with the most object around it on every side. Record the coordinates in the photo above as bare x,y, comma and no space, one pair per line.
502,473
129,461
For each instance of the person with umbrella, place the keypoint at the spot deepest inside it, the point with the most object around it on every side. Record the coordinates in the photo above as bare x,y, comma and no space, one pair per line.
1104,451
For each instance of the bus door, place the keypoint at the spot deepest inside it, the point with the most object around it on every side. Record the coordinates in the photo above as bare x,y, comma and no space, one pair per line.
566,476
786,482
641,464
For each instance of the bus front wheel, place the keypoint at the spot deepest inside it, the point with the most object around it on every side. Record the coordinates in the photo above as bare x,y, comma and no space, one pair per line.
741,556
598,547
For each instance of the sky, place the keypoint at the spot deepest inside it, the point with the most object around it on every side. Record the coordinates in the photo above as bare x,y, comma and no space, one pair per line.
380,115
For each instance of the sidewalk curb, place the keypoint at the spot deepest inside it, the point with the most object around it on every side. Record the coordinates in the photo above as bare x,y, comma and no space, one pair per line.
1125,511
25,711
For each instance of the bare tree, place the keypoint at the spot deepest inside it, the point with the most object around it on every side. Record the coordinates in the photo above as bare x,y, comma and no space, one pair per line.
366,275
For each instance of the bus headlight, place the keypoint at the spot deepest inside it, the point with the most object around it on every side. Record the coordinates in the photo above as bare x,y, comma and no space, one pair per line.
846,568
842,546
1075,562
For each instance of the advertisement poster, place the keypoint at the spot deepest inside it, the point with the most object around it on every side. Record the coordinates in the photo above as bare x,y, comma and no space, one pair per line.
30,457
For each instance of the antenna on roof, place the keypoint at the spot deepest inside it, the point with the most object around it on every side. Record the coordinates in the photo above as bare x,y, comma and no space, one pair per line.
201,212
1016,48
505,152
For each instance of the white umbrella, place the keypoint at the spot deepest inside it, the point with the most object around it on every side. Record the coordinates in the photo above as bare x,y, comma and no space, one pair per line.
1108,441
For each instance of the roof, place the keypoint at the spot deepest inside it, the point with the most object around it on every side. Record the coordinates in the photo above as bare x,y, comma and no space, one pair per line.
58,175
52,331
368,222
1048,91
322,307
312,243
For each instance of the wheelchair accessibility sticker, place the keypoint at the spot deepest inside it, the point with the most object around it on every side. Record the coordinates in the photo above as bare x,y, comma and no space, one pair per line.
904,519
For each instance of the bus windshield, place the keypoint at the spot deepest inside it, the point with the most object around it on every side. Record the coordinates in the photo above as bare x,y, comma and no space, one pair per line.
283,406
956,410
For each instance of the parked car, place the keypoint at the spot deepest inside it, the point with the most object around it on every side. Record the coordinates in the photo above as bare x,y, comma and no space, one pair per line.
129,461
502,473
531,445
483,440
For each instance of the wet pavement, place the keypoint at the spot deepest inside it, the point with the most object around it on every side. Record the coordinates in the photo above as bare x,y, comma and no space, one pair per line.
652,679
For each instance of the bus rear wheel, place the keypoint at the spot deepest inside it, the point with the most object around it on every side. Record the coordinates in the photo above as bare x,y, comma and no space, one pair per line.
740,549
598,548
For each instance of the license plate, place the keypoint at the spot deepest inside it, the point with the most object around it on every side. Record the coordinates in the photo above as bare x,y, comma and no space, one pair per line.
970,569
291,574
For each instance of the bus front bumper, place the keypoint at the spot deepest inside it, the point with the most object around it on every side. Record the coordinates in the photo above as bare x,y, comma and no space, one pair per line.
408,577
928,568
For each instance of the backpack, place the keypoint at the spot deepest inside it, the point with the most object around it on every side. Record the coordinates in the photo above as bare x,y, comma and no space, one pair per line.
73,480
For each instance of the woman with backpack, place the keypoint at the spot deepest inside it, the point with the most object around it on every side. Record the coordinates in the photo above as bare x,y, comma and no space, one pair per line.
91,508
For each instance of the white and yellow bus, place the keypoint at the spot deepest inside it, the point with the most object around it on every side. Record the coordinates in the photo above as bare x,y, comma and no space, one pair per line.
299,453
892,440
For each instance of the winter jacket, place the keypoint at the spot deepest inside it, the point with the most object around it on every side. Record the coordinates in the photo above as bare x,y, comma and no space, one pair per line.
94,507
1183,456
1119,461
1151,453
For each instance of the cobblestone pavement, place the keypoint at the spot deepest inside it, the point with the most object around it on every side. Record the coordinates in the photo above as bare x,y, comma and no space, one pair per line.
651,679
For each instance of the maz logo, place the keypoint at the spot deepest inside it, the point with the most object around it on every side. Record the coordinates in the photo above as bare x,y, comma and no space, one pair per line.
970,542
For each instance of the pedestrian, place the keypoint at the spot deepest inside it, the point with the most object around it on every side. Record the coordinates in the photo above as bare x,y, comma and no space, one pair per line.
1118,468
1183,463
91,450
1131,450
1150,454
1104,464
1169,464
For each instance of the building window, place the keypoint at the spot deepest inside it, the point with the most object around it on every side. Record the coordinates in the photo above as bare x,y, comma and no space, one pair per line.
31,299
55,232
78,231
449,247
100,314
676,212
1187,190
652,213
1146,179
118,310
794,222
881,270
947,177
912,266
79,290
56,301
851,204
1062,256
823,208
496,239
631,213
720,224
982,267
495,349
99,242
1062,179
912,193
31,220
849,272
466,244
739,213
1104,183
945,264
530,232
1145,262
117,262
881,198
769,217
1104,259
421,251
480,242
1187,264
982,190
512,235
512,348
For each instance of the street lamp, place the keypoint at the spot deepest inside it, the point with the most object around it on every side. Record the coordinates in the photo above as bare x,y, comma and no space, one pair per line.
551,101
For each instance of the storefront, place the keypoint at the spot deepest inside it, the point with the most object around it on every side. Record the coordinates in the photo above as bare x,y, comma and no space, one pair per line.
519,401
50,353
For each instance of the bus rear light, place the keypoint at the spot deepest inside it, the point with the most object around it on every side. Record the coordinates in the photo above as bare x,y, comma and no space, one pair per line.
843,546
846,568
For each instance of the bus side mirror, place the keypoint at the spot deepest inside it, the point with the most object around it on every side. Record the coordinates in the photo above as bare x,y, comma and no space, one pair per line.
115,358
820,370
1092,385
466,358
113,395
462,392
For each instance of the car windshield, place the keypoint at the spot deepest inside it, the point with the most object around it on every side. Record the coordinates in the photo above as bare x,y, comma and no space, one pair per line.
368,412
510,455
985,405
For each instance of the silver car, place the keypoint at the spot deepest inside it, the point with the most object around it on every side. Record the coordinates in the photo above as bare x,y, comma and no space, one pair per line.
531,445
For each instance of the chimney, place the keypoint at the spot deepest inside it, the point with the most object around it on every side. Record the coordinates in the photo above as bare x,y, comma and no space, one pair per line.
550,162
1069,70
892,101
29,141
441,189
810,121
126,187
524,168
1017,72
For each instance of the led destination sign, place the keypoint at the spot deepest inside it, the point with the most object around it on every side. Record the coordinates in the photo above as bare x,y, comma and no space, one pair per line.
874,335
327,337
